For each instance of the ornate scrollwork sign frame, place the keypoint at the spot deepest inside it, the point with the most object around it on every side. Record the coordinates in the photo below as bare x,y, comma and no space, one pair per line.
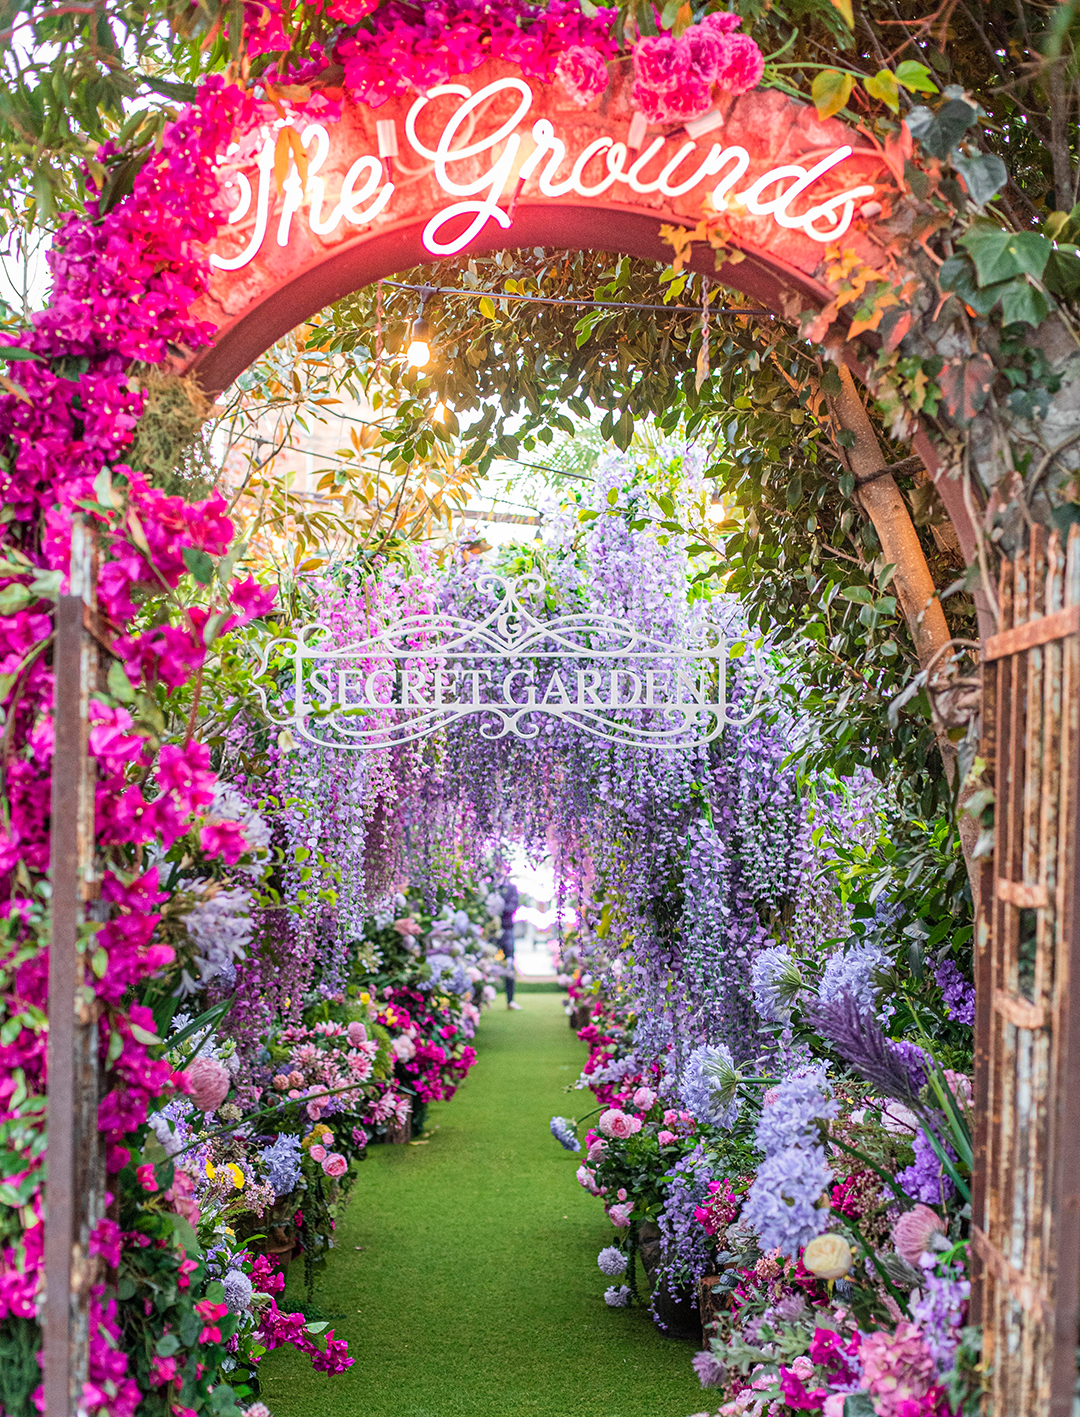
512,667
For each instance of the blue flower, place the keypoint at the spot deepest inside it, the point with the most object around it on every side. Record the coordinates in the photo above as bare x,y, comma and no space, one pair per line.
705,1073
802,1101
563,1132
771,970
782,1205
851,973
282,1161
611,1262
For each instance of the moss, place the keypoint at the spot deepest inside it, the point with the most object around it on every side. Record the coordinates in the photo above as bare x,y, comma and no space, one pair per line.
169,445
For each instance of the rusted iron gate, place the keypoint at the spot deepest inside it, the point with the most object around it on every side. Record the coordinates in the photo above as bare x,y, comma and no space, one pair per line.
1026,1201
75,1182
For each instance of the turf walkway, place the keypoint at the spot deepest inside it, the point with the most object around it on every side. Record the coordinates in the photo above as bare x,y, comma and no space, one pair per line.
465,1273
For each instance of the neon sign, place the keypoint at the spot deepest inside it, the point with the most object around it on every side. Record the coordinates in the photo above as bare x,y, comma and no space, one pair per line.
516,155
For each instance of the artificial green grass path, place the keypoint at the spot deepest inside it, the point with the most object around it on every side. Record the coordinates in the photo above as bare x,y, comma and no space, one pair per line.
475,1291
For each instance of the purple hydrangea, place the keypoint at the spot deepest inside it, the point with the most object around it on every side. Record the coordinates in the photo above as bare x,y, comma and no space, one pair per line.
563,1132
925,1180
282,1161
959,995
617,1296
782,1204
914,1061
709,1369
238,1291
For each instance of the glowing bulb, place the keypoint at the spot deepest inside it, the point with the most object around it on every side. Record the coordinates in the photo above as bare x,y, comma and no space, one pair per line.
418,355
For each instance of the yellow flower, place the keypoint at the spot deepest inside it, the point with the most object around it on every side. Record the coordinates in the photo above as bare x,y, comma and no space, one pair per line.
365,997
236,1174
230,1233
210,1170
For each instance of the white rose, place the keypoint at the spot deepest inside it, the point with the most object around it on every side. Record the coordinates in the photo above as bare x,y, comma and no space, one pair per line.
828,1256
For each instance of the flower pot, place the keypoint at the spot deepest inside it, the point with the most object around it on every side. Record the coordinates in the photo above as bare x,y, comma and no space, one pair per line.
400,1133
675,1314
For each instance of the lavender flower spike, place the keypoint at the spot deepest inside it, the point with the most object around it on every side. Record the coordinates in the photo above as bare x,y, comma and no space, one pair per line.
859,1039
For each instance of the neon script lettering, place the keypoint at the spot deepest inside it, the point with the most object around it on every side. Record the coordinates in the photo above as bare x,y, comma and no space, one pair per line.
517,156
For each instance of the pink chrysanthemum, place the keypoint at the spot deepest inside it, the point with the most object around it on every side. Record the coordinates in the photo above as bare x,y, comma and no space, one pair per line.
741,64
582,73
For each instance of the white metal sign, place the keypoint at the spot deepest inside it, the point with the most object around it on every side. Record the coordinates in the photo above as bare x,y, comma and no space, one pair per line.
512,667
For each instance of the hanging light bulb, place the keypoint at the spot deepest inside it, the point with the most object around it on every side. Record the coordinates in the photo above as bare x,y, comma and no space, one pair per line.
418,354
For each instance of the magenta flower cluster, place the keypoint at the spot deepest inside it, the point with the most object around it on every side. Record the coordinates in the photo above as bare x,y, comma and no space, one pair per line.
675,78
405,47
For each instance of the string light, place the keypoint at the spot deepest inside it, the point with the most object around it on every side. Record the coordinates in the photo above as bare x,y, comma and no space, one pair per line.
428,290
418,355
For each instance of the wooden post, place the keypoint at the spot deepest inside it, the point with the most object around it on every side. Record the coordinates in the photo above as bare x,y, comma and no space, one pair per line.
75,1182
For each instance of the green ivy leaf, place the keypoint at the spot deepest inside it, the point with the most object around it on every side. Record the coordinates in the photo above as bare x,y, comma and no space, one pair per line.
830,91
1023,304
999,255
984,176
938,133
884,88
915,77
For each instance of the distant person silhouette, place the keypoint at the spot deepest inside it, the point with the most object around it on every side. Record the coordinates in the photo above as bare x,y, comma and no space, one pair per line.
511,898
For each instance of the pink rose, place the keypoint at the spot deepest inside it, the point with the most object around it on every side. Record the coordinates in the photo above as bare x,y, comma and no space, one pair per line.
582,73
357,1033
661,62
741,64
317,1152
621,1193
912,1232
207,1083
619,1215
802,1367
407,926
296,1078
834,1405
281,1083
596,1151
335,1164
670,1118
644,1098
616,1123
665,1138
